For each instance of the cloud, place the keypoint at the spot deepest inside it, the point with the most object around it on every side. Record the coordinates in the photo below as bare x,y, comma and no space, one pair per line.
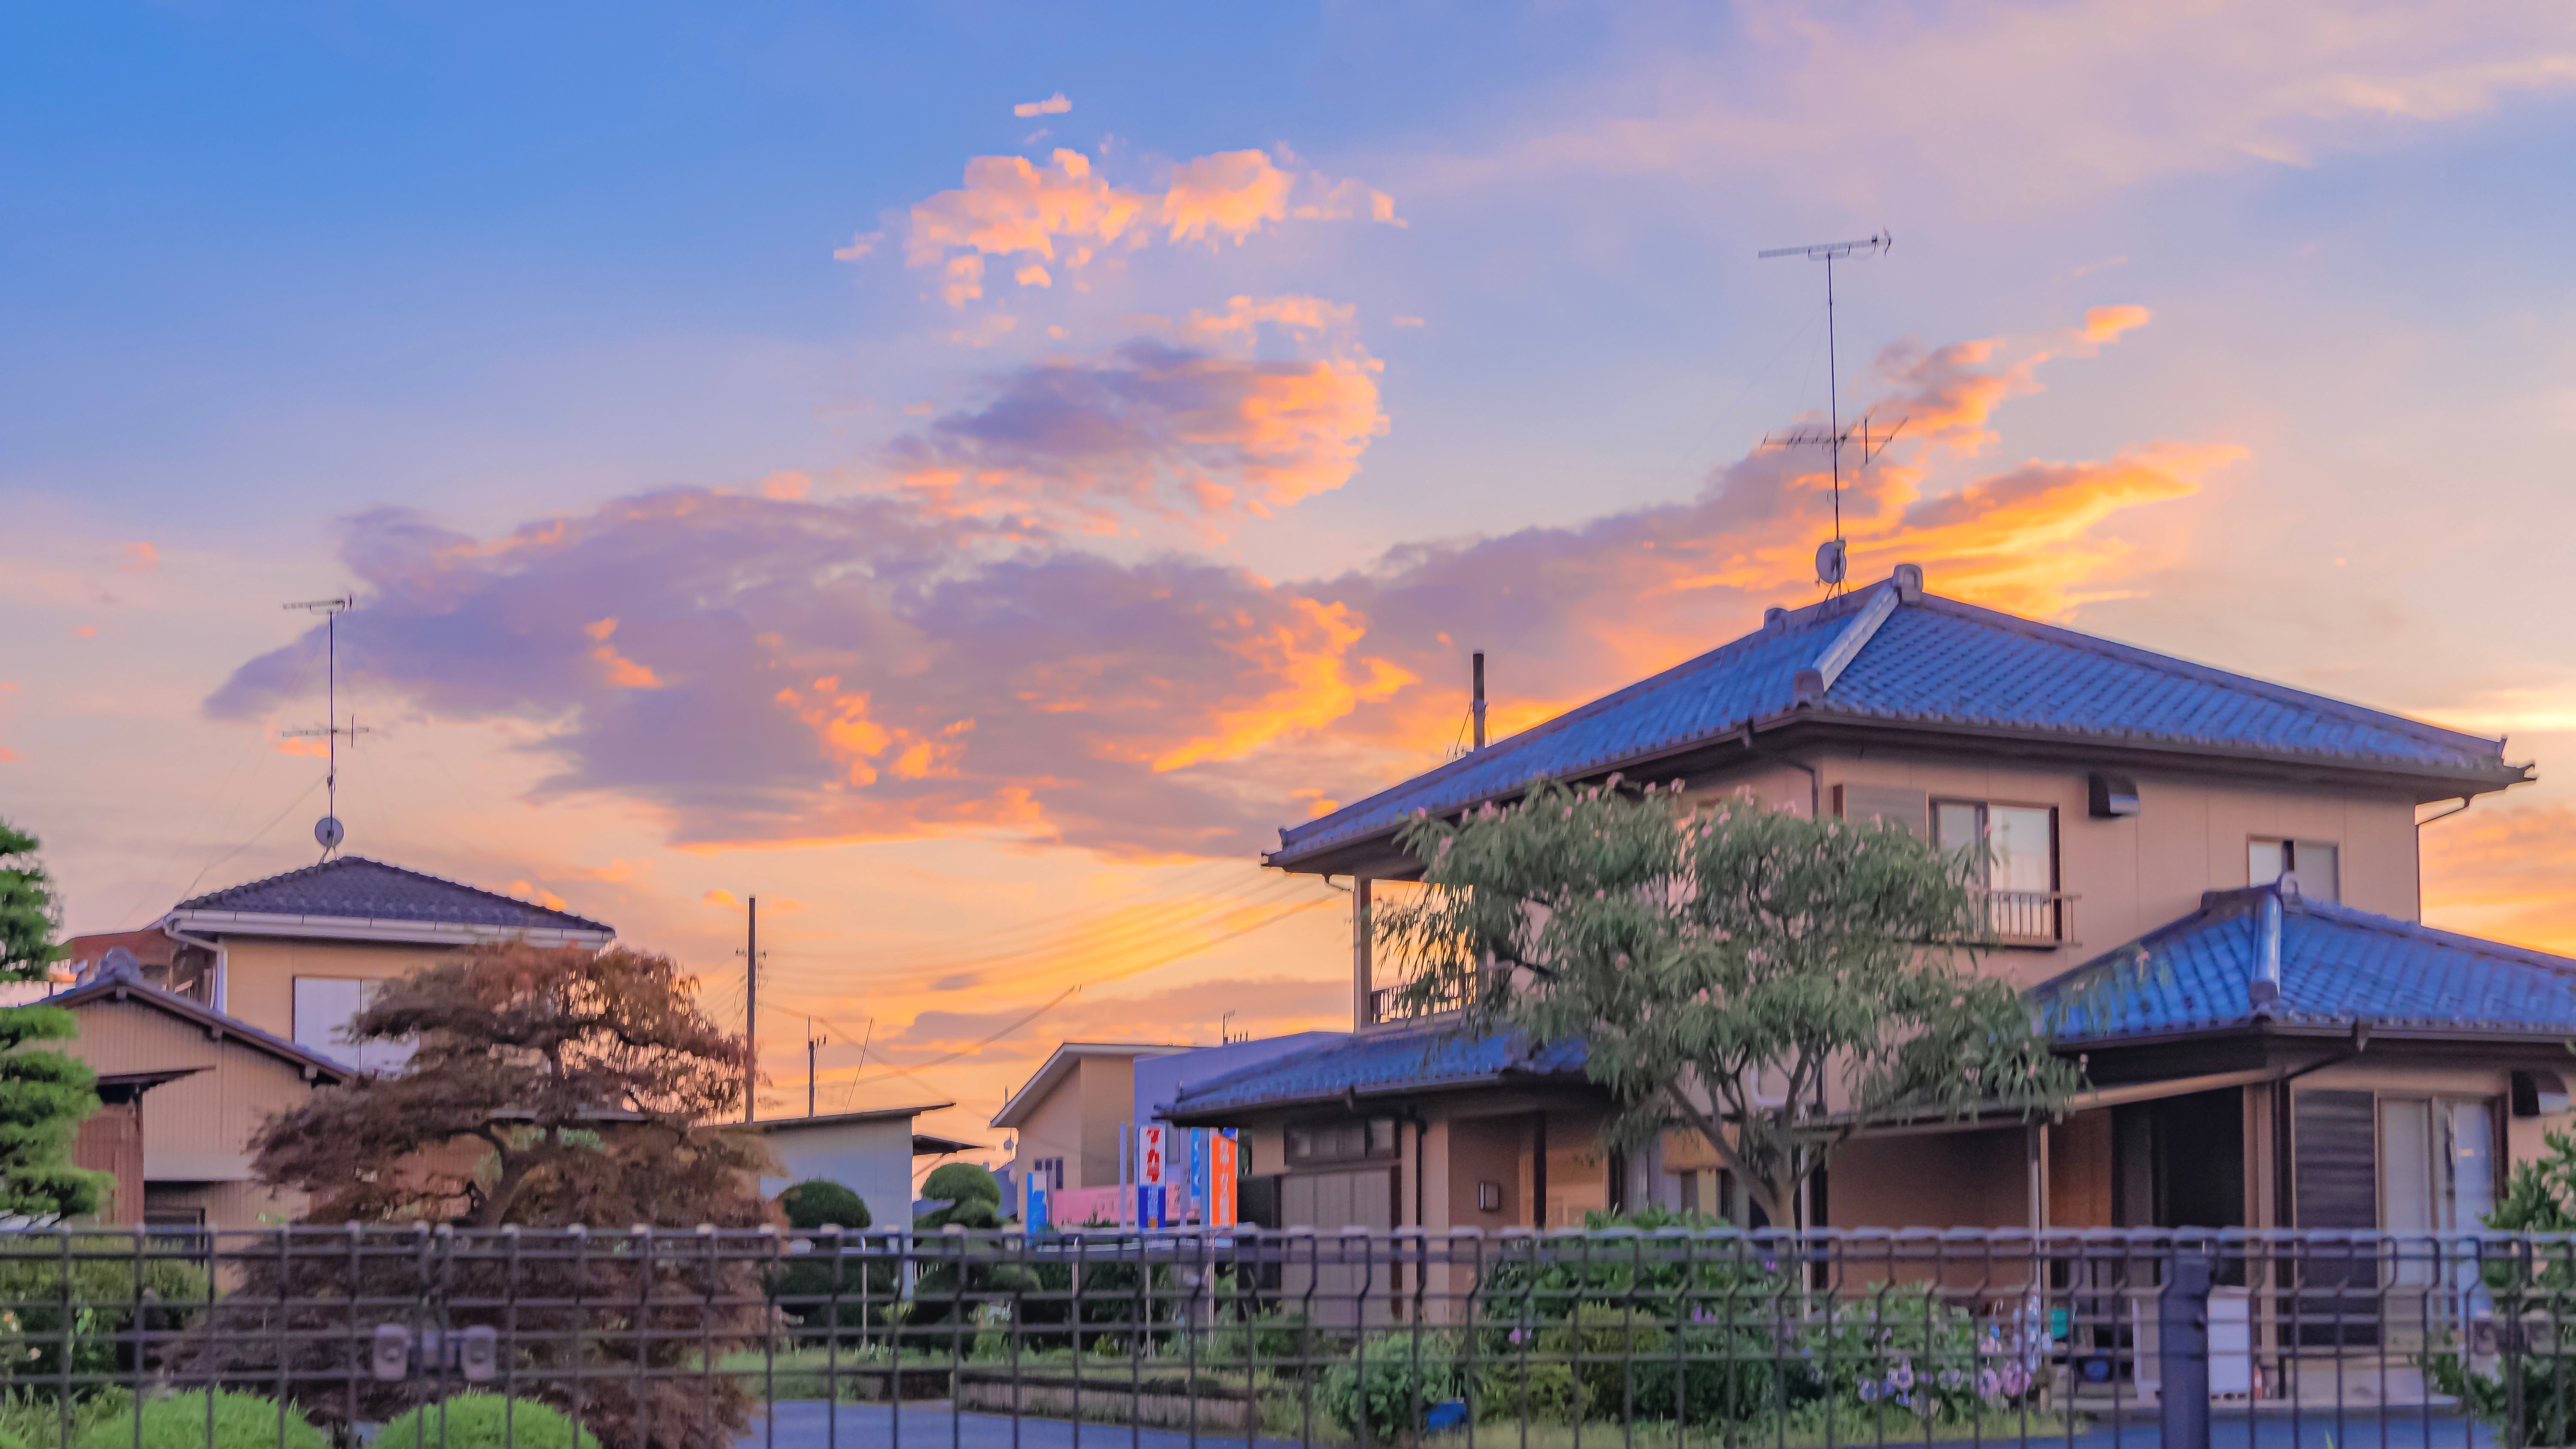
1403,321
1936,101
859,248
140,558
890,664
1064,213
1054,105
2102,324
2500,871
1199,424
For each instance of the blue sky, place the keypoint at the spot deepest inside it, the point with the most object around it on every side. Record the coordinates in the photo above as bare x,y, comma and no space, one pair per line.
1367,335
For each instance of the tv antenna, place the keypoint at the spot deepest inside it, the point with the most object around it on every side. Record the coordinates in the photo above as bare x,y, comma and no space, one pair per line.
1831,561
327,831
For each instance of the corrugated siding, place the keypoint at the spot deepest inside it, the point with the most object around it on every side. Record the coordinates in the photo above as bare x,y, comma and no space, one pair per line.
198,1127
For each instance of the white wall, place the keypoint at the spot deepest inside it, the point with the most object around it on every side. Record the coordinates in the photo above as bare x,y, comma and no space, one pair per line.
872,1159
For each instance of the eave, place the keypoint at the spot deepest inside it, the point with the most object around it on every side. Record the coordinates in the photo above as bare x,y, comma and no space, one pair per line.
1805,728
370,928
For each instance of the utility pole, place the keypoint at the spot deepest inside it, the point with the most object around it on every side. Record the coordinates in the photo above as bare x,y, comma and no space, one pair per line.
751,1012
810,1043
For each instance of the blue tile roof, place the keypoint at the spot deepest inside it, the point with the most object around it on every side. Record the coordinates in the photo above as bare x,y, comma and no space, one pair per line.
2339,967
1935,663
355,887
1429,1058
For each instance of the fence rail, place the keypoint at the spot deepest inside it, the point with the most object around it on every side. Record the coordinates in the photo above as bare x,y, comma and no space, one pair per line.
414,1338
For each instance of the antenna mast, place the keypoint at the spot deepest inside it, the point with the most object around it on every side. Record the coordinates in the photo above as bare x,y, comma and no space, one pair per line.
327,831
1830,561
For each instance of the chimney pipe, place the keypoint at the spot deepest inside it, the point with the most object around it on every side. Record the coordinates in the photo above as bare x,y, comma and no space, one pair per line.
1480,699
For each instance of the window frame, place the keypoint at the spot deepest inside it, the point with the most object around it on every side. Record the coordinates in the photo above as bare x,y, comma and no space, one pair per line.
2333,889
2056,890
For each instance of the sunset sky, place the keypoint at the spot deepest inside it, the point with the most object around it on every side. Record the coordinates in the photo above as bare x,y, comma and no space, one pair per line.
968,474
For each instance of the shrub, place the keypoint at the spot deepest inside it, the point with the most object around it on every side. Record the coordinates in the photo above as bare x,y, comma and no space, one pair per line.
106,1295
240,1421
483,1421
821,1203
959,1181
1386,1389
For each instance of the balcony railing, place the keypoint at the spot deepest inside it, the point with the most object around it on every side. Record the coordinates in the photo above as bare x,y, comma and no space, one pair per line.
1389,1003
2027,918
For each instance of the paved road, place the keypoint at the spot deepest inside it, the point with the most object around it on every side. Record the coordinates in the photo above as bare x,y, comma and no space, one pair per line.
936,1426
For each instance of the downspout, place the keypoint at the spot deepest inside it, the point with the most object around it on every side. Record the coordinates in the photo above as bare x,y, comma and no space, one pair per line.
2465,802
1815,782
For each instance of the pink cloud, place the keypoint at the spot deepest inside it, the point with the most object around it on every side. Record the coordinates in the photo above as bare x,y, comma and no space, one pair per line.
1054,105
140,558
1064,213
889,664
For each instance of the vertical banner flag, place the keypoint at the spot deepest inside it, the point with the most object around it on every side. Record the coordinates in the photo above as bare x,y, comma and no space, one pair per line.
1153,1172
1036,1218
1198,1204
1221,1169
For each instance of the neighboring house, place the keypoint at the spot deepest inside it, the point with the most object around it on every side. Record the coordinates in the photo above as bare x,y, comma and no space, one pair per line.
2296,1051
181,1088
871,1153
1161,1079
243,994
1068,1116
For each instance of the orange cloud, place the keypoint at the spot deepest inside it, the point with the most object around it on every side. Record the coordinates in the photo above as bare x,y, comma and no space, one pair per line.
9,756
1307,661
621,671
720,898
140,558
2102,324
1065,213
1054,105
537,893
85,631
927,663
2500,871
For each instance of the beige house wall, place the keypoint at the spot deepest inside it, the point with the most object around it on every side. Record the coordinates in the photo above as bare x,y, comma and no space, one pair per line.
1108,1094
260,972
1053,1129
2190,835
196,1130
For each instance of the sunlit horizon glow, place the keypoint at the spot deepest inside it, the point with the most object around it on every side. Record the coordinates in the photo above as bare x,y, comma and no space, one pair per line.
856,476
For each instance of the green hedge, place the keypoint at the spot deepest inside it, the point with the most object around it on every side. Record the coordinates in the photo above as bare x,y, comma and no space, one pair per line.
241,1421
484,1421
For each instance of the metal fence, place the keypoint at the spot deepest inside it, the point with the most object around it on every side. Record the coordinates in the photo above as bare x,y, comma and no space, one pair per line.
415,1338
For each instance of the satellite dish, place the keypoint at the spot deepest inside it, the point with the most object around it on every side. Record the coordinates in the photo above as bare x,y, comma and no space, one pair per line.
1830,562
327,832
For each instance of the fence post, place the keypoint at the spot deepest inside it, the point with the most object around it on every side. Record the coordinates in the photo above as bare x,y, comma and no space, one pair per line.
2182,1347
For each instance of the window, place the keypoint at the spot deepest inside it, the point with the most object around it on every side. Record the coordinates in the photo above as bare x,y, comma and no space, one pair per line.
1342,1141
323,1008
2315,862
2017,865
1048,1170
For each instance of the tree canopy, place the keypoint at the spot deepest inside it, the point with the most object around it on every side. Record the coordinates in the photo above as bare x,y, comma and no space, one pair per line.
1774,982
545,1088
44,1095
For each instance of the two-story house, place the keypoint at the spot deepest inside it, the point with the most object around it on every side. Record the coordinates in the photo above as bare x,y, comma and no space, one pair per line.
232,1007
2283,1044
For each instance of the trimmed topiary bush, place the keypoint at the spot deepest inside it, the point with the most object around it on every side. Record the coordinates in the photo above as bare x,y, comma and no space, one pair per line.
961,1182
241,1421
821,1203
484,1421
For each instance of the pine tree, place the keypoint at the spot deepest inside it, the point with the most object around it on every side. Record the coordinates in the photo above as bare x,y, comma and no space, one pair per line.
44,1095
